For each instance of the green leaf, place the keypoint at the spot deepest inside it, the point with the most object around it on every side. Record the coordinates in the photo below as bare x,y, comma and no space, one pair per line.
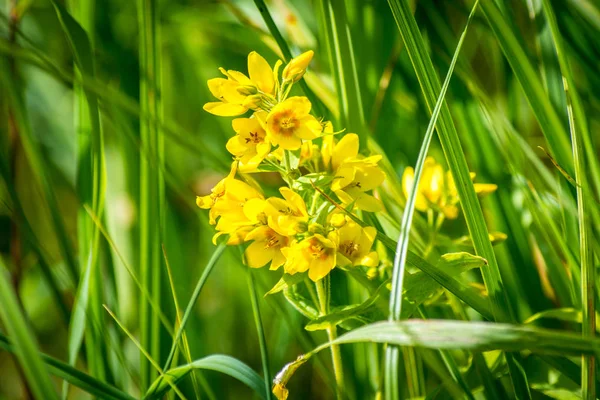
468,335
285,282
220,363
349,312
25,347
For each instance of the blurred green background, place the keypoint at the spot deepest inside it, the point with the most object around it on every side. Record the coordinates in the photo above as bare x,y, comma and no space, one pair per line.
197,37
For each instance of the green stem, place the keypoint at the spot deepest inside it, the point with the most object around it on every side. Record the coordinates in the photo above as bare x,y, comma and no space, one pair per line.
336,355
261,334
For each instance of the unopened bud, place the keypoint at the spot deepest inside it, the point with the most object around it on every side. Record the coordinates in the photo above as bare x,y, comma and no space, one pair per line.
297,67
247,90
253,101
337,220
316,228
301,227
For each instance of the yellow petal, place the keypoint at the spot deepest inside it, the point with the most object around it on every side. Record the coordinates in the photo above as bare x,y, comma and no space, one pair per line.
366,202
260,72
346,148
278,260
370,260
204,202
319,268
256,256
309,128
485,188
239,78
224,109
297,66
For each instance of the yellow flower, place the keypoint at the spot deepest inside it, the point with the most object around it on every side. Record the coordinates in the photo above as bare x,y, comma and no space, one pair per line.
280,391
437,189
266,247
207,202
315,254
430,187
250,144
334,154
285,214
289,122
236,205
356,177
355,244
297,67
233,91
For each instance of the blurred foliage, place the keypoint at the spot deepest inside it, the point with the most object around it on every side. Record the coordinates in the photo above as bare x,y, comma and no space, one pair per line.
534,204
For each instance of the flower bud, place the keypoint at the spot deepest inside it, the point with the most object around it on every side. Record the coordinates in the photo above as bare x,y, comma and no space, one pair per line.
247,90
253,101
297,67
337,220
316,228
301,227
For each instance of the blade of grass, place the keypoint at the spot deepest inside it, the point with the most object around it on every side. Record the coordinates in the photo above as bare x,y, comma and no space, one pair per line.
287,55
77,378
184,340
35,158
155,307
391,358
191,304
579,131
24,343
151,183
29,234
216,362
261,334
90,189
176,133
343,65
450,142
550,122
145,353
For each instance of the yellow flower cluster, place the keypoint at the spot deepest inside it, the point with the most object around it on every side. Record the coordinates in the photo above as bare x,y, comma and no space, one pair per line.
437,190
283,231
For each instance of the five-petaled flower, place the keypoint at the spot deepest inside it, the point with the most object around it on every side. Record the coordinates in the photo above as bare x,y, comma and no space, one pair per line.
290,122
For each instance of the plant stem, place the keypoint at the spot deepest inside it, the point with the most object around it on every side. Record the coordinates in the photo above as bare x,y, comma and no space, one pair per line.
336,355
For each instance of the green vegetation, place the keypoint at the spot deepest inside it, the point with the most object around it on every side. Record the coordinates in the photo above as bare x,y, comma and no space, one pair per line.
422,177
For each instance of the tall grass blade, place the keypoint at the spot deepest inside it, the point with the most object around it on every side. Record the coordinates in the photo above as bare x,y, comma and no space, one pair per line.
74,376
151,182
190,306
90,188
391,358
24,343
549,120
343,65
145,353
455,157
579,131
264,355
185,344
287,54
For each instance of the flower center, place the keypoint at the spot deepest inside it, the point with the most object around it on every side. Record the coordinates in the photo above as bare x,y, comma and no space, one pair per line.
349,248
272,241
317,250
254,138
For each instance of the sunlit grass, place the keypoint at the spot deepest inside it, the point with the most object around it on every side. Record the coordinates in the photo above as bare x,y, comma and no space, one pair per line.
112,285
